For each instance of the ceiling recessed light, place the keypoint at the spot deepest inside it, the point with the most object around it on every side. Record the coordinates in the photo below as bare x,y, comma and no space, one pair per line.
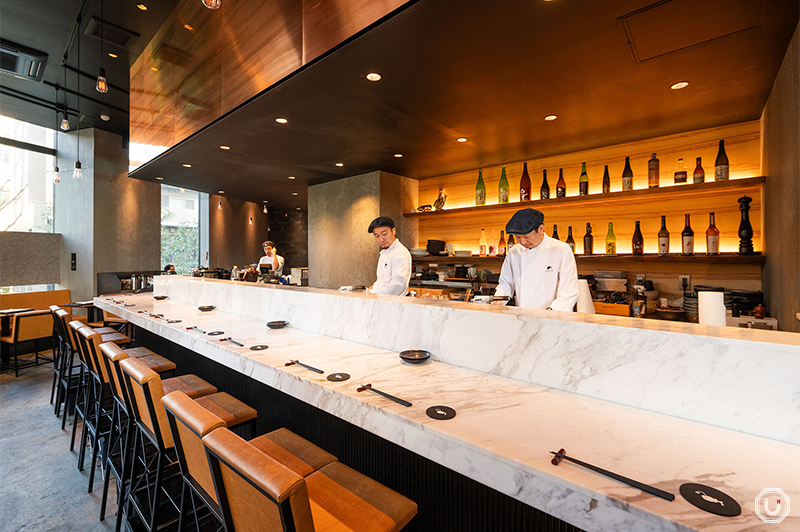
224,147
189,27
398,154
112,55
294,193
281,120
266,201
104,117
339,164
550,118
291,177
154,69
187,165
374,76
142,7
220,192
298,208
679,85
159,178
462,139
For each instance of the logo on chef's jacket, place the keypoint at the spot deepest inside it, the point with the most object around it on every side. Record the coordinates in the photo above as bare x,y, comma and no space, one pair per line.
548,268
385,264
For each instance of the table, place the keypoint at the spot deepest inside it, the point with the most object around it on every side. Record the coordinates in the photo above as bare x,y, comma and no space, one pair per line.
91,310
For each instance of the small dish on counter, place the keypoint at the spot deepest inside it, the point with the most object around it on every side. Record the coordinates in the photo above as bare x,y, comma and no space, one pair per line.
277,324
670,314
160,298
206,308
415,356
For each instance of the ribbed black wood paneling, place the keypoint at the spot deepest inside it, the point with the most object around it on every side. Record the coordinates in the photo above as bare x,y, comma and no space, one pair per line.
448,501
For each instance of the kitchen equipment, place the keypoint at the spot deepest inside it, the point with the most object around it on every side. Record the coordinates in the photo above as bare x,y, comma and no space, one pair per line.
277,324
135,282
312,368
607,284
369,387
435,246
415,356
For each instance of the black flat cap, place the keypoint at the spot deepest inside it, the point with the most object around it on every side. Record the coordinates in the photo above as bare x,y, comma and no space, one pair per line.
524,221
381,221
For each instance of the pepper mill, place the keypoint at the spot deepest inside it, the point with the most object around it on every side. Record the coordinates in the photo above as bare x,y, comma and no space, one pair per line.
745,229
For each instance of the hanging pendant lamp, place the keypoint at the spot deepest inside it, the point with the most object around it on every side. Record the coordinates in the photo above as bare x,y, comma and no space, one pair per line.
56,175
78,172
212,4
64,119
102,84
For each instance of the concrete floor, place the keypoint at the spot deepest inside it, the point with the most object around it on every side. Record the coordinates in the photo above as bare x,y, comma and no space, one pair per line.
41,488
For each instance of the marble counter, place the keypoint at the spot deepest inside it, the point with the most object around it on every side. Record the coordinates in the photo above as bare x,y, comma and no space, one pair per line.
504,427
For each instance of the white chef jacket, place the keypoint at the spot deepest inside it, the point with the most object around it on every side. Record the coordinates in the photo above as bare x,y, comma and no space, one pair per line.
267,261
542,277
394,271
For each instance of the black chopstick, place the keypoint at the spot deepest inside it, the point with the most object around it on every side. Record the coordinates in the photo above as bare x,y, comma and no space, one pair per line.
625,480
196,329
384,394
228,339
312,368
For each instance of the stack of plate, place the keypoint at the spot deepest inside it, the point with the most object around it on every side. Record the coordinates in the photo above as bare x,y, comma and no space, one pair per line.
690,306
419,252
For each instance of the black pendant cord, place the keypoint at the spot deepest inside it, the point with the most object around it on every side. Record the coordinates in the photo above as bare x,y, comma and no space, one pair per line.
58,124
102,34
79,92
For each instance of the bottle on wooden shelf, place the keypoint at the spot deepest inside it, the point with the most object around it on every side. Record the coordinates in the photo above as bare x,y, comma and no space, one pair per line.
492,247
699,175
721,166
561,186
606,181
480,190
611,240
501,246
510,243
502,188
583,182
570,240
745,228
663,238
653,172
681,174
525,184
627,175
712,236
544,193
555,232
687,239
482,246
588,240
637,243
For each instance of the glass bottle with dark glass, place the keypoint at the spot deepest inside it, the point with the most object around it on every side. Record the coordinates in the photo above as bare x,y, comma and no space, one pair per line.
606,181
637,243
561,186
687,239
699,174
525,184
588,240
555,232
583,182
511,242
653,172
570,240
663,238
502,188
721,166
627,175
545,191
480,190
712,236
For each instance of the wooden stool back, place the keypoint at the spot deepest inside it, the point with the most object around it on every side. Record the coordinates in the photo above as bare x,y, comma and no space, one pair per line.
145,396
91,341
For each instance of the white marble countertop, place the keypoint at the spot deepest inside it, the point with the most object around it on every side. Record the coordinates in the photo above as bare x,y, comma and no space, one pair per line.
504,427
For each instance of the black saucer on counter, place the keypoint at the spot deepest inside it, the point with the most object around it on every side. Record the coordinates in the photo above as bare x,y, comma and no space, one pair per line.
216,333
277,324
710,499
160,298
415,356
441,412
260,347
206,308
338,377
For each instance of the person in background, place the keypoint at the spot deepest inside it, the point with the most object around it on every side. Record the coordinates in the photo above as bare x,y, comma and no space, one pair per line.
539,269
169,269
271,258
394,264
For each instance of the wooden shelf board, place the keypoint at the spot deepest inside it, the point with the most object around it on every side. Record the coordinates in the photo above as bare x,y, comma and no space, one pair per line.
722,258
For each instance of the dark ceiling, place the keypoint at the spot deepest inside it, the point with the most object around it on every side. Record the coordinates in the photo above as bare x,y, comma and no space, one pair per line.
46,25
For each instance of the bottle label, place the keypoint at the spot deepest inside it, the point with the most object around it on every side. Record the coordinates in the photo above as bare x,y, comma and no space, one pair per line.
503,195
721,173
480,197
524,195
652,180
681,177
712,243
699,177
545,194
492,252
501,250
482,251
638,248
627,183
611,248
688,245
663,245
583,188
561,192
571,246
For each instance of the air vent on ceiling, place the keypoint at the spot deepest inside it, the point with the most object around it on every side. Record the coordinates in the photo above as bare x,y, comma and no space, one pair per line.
111,32
21,61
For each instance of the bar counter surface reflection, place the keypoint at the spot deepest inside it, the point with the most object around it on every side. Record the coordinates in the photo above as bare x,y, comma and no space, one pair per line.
509,414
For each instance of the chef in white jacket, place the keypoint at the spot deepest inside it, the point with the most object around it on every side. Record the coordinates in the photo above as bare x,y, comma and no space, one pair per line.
540,270
394,264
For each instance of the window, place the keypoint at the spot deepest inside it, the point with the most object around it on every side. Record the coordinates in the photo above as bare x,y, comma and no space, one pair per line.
180,228
190,204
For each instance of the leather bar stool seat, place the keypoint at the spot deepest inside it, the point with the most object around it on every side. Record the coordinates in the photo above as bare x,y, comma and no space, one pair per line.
136,352
226,407
191,385
293,451
104,330
117,338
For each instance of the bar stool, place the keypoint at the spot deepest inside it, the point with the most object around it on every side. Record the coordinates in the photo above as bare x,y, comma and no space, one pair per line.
257,493
155,478
32,325
189,422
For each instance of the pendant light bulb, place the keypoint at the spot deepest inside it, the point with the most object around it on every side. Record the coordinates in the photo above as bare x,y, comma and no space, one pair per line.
102,84
212,4
265,210
56,176
219,205
64,122
251,220
78,173
183,190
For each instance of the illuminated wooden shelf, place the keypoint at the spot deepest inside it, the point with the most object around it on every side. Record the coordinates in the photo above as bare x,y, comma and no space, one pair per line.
722,258
614,199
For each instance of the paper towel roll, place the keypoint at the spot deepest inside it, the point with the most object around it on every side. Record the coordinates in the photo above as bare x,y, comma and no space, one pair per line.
585,303
711,308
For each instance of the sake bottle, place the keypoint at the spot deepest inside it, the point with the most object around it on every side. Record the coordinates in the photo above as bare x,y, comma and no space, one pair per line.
561,186
545,191
502,188
588,240
721,166
611,240
637,242
501,246
570,240
555,232
480,190
525,184
627,175
606,181
583,182
482,246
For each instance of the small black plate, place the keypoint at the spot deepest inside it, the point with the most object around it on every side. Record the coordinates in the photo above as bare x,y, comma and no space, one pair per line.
415,356
259,347
174,321
441,412
160,298
338,377
710,499
206,308
277,324
216,333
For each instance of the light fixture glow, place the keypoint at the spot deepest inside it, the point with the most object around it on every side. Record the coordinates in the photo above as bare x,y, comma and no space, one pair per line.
56,176
221,191
187,165
64,122
154,69
104,117
112,56
212,4
462,139
189,27
281,120
224,147
679,85
78,172
183,190
251,220
374,76
294,193
398,155
298,208
219,205
550,118
265,209
102,84
339,164
291,177
142,7
159,178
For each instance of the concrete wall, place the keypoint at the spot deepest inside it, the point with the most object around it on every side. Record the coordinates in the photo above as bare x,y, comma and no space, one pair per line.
289,231
340,251
781,164
29,258
231,238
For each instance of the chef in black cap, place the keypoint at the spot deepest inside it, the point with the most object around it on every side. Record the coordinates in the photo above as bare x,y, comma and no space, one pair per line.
394,264
540,270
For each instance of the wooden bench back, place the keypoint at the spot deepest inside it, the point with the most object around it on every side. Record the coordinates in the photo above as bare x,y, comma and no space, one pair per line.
35,300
